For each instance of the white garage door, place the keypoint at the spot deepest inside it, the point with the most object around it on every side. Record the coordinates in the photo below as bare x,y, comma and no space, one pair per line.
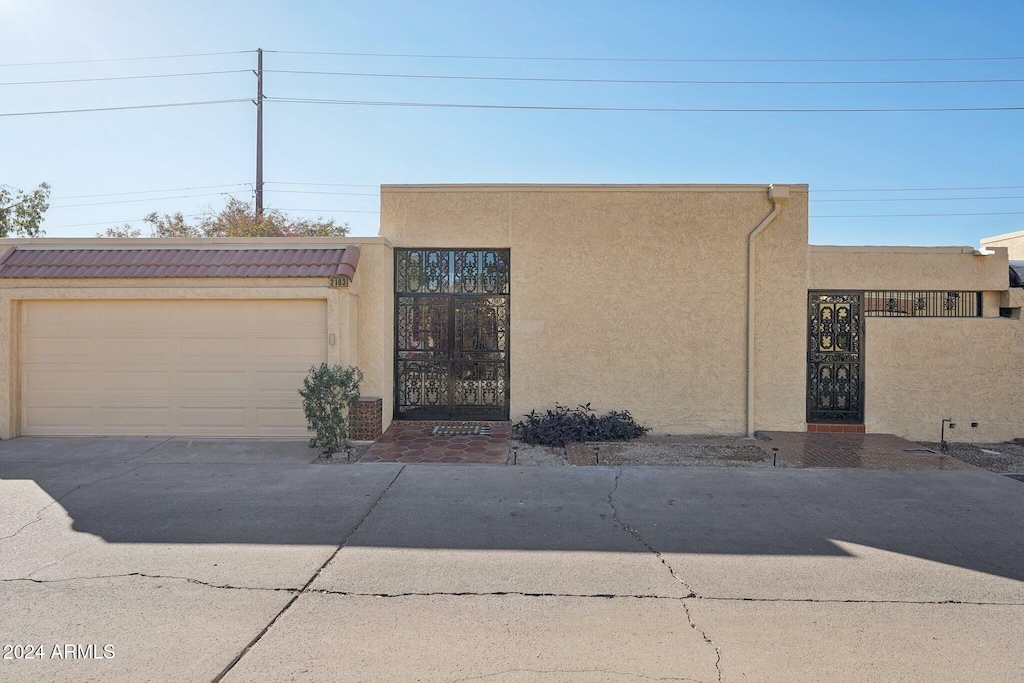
188,368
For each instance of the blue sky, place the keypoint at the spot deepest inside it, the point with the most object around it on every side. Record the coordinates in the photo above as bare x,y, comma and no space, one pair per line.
355,148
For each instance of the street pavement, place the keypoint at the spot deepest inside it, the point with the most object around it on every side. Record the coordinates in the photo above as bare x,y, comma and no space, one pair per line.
199,560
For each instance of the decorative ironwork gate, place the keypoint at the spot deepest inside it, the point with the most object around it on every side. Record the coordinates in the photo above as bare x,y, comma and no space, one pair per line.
835,348
451,333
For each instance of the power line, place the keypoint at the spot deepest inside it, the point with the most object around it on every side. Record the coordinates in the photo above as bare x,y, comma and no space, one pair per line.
920,199
147,199
123,108
689,110
127,78
924,189
904,215
362,194
120,222
172,189
274,182
642,81
649,59
280,208
131,59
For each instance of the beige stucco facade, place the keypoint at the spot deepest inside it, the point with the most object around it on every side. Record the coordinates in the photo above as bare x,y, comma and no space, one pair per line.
1013,242
635,297
919,371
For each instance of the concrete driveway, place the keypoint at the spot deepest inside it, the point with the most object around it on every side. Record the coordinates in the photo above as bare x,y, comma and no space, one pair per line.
200,560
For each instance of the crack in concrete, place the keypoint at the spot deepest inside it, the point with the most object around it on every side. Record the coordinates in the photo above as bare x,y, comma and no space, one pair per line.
646,596
636,536
690,592
485,594
704,635
136,457
154,576
252,643
58,560
523,594
573,671
39,515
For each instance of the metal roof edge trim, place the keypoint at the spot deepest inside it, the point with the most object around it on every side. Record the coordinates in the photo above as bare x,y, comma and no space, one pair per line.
1004,236
881,249
582,187
190,243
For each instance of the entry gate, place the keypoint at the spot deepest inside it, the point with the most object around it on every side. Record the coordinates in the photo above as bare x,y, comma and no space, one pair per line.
452,334
835,348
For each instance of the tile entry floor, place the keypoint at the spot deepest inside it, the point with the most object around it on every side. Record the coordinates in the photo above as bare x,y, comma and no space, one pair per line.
411,441
857,451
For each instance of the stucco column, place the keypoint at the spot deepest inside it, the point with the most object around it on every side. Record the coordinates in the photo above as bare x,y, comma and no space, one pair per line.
8,363
335,327
344,351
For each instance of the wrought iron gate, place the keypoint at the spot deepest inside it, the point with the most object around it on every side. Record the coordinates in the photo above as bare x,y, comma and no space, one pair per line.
835,348
451,333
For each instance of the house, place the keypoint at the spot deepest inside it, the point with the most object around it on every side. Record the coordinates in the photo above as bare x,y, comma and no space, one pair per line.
699,308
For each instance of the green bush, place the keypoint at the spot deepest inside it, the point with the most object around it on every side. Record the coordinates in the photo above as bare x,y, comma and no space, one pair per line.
328,393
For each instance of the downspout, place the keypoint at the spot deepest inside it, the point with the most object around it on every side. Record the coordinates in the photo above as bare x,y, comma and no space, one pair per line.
776,195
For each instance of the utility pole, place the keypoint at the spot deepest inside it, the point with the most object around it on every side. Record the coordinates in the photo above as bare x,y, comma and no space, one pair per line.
259,133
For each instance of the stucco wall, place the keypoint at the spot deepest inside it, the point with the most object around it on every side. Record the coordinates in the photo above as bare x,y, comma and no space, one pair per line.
919,371
376,333
634,297
907,268
1013,242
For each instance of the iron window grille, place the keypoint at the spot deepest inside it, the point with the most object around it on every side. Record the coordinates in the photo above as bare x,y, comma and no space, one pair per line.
930,304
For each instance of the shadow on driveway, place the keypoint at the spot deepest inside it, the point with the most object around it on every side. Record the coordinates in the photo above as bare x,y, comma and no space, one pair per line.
266,492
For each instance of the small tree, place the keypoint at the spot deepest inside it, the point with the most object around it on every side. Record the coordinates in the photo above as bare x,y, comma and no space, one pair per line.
328,393
236,219
122,232
21,213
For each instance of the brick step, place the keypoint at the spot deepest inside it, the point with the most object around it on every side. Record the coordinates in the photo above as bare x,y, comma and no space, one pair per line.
824,427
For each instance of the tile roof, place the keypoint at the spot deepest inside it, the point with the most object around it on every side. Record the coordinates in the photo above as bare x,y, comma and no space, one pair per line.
22,262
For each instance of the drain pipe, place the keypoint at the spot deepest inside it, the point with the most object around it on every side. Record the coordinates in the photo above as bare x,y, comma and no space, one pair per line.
776,195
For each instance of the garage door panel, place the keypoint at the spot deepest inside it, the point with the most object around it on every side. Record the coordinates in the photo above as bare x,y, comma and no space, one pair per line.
56,314
59,380
43,421
269,382
212,416
215,381
287,348
202,368
49,349
275,420
213,348
123,349
220,313
277,312
142,380
132,419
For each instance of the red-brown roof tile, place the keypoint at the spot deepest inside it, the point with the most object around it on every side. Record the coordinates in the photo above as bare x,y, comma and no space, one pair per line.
22,262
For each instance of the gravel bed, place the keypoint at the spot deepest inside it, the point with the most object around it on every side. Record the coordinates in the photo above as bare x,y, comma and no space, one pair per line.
536,456
650,452
682,454
355,451
995,457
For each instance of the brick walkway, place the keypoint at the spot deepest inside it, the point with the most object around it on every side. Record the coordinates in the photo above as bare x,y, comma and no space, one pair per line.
859,451
412,442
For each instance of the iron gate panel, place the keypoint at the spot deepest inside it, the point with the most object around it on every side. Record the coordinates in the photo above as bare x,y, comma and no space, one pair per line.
451,333
835,347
